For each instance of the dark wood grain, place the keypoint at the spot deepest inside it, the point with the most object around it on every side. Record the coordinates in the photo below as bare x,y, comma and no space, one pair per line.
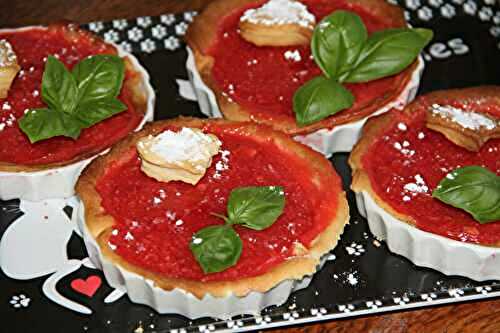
14,13
473,317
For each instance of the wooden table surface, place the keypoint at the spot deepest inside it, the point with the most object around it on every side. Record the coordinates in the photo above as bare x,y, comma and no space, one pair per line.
473,317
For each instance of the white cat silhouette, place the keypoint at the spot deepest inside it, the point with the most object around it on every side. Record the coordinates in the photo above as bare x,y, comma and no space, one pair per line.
36,245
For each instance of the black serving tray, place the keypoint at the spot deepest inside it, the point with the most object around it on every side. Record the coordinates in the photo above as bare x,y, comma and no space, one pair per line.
361,277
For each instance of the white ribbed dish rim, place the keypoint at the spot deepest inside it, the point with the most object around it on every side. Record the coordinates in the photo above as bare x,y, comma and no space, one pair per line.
59,182
177,301
341,138
426,249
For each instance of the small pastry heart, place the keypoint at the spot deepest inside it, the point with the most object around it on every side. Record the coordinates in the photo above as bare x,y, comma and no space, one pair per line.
87,287
8,67
278,23
275,35
466,129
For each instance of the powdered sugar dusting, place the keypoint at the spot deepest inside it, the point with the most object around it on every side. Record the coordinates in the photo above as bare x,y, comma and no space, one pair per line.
402,127
111,246
293,55
185,145
403,147
128,236
7,55
466,119
6,106
7,121
351,278
170,215
222,165
279,12
414,188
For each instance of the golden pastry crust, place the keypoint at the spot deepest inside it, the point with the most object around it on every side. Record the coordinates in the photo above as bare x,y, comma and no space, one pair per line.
202,33
375,128
133,83
305,262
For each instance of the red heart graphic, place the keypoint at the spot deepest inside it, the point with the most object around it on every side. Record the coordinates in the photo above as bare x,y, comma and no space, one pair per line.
87,287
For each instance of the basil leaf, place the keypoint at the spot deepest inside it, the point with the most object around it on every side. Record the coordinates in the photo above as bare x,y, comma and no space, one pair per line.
76,100
40,124
473,189
216,248
91,113
337,41
99,77
256,207
318,99
386,53
59,88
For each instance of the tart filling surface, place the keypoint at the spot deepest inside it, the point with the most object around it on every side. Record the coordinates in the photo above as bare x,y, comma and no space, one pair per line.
262,81
402,161
69,45
148,225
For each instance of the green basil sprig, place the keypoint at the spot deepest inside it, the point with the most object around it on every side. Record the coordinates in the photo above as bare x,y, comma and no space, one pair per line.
219,247
77,99
473,189
342,49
